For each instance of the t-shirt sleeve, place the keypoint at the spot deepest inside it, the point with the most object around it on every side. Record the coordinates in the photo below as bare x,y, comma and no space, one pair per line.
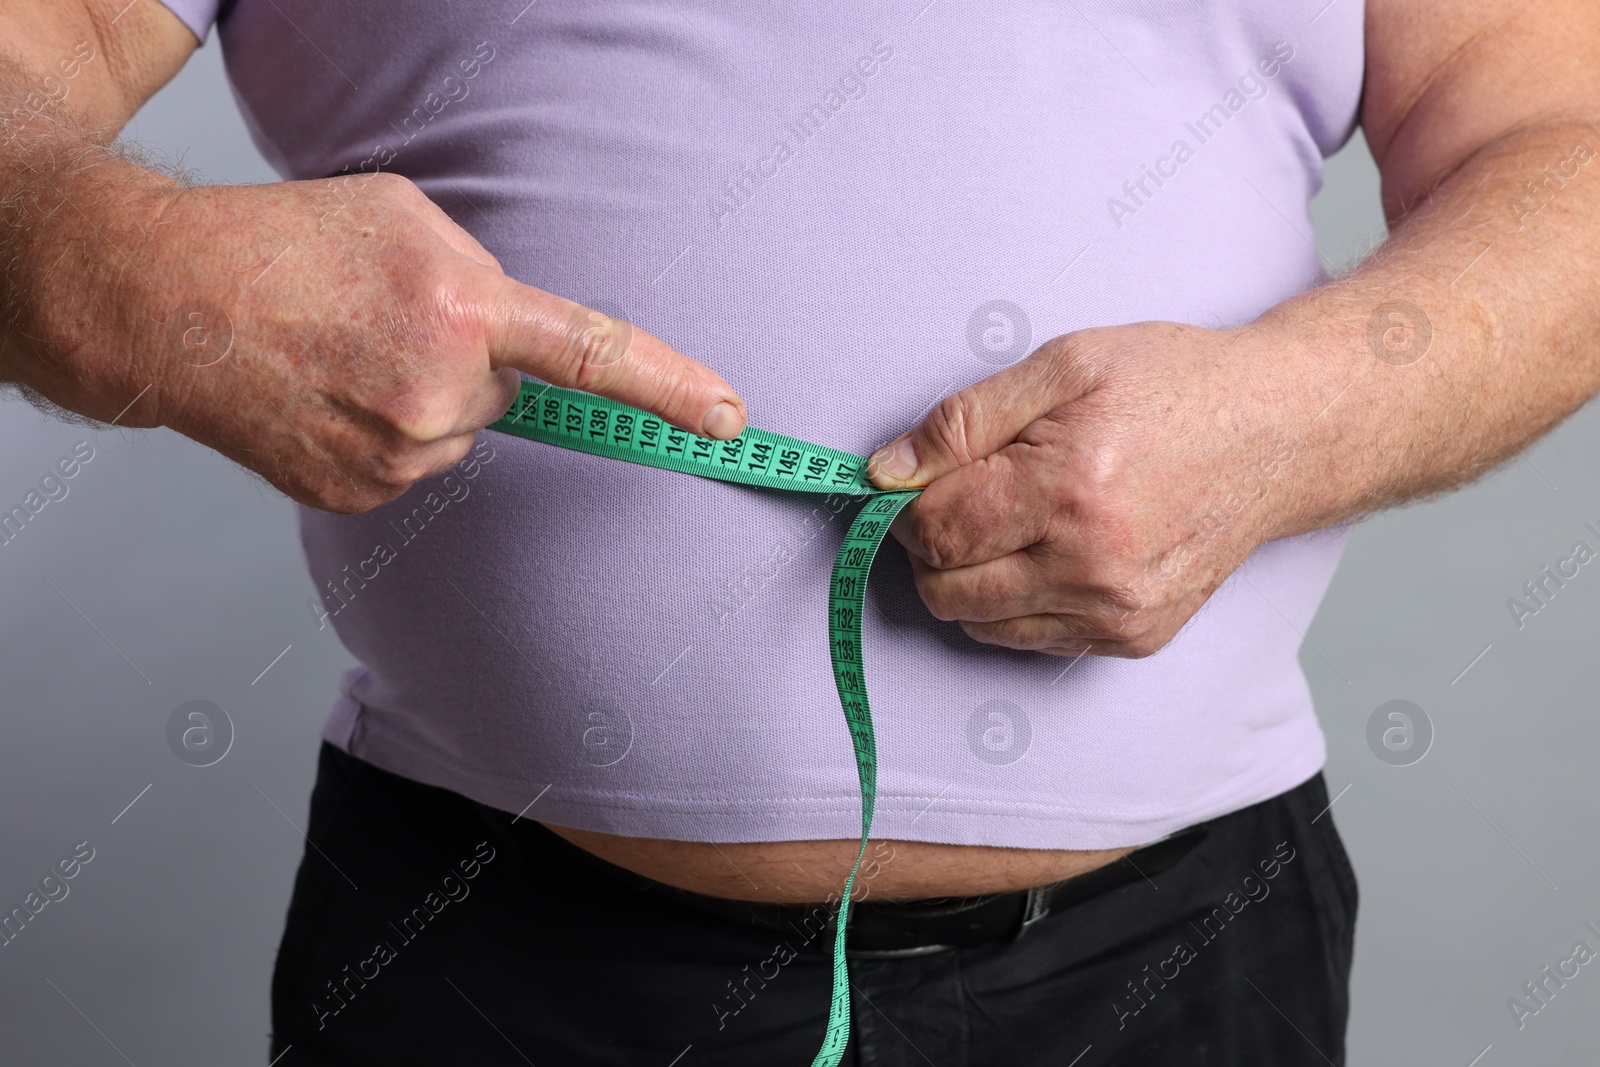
198,15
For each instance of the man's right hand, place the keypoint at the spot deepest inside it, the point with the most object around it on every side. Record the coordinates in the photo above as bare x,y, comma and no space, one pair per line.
342,355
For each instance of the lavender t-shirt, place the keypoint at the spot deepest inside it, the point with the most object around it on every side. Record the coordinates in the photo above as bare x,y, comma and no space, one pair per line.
849,210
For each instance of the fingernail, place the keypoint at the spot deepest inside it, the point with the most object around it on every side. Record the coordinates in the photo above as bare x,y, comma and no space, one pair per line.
898,461
723,422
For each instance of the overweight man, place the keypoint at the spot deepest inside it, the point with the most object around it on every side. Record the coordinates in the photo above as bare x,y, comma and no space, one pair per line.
1051,263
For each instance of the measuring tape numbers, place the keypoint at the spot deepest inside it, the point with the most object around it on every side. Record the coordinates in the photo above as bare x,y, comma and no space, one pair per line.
588,423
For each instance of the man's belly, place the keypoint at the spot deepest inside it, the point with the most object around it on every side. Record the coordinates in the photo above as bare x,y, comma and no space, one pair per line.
561,642
804,872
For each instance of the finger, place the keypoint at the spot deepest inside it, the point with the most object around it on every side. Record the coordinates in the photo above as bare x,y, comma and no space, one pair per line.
443,455
455,407
1056,634
488,402
978,421
1011,586
567,344
979,512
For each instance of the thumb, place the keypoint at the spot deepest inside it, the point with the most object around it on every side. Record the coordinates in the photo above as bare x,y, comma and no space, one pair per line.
567,344
967,426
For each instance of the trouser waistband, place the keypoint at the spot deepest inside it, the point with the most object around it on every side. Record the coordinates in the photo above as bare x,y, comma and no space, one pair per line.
882,928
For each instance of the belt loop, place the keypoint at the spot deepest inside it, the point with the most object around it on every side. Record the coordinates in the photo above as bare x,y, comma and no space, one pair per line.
1035,908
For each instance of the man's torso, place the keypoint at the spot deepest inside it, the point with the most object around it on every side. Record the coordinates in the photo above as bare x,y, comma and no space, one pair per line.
841,210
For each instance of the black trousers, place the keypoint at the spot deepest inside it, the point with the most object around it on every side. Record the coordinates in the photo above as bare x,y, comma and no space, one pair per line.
429,929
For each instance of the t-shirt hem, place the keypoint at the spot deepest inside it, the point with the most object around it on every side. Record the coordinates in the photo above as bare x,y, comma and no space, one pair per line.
1007,823
197,15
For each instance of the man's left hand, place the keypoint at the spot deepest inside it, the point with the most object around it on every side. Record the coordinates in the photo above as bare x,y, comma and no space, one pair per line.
1094,495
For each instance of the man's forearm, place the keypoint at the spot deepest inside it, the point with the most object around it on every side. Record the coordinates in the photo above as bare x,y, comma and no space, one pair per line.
73,215
1470,333
70,76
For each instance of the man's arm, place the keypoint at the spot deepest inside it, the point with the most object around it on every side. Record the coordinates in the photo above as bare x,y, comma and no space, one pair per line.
343,356
96,62
71,75
1483,121
1093,496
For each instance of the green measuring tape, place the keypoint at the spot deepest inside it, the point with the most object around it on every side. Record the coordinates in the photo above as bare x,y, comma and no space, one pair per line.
601,427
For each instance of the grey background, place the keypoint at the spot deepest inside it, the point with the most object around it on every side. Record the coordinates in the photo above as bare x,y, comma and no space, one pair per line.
1476,864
